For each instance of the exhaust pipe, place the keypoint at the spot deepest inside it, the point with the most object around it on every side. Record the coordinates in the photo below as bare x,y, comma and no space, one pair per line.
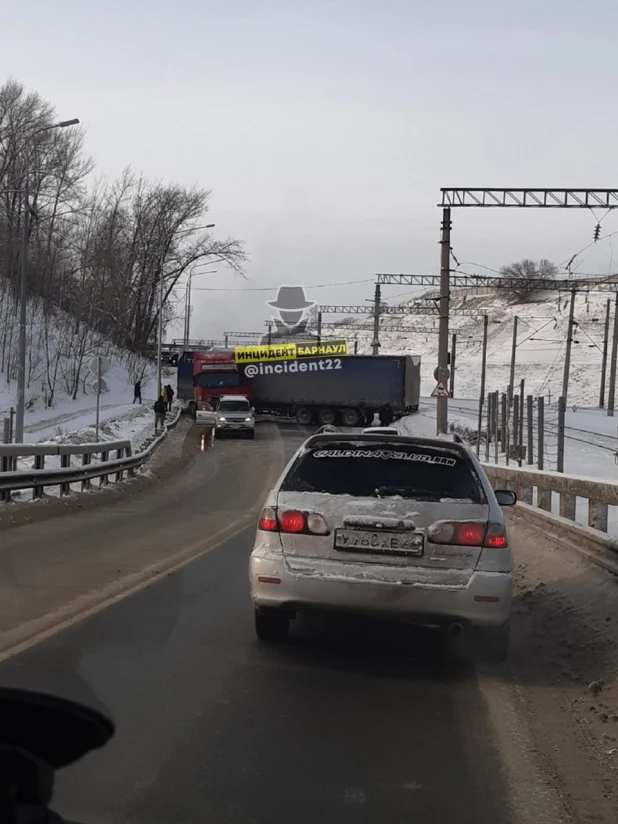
456,630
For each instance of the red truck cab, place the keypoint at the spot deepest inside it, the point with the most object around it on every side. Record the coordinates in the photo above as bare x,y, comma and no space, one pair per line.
216,374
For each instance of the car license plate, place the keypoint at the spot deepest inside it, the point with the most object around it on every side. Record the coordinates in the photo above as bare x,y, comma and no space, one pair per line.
380,542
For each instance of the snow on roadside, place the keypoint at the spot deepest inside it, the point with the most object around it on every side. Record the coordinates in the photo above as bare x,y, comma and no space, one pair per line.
136,425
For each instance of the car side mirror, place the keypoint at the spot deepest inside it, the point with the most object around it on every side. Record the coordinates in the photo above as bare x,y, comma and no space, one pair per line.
505,497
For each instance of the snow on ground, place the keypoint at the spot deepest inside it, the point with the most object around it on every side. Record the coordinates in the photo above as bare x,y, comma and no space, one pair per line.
540,348
590,446
60,388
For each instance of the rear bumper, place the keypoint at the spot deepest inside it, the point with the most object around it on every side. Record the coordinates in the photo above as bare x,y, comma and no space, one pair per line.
404,600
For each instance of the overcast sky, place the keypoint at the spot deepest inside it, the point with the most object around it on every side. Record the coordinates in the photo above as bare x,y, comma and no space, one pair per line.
325,128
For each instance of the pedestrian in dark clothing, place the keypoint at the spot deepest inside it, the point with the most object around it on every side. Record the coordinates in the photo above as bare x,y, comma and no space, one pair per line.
169,394
159,409
386,415
137,391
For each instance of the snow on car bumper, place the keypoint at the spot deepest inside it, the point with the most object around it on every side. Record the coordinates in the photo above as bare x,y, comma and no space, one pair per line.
330,587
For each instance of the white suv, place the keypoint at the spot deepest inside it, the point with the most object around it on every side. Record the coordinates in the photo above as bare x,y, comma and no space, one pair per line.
234,414
394,526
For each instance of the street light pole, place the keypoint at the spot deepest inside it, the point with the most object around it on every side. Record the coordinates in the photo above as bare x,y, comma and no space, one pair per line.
187,329
162,302
23,287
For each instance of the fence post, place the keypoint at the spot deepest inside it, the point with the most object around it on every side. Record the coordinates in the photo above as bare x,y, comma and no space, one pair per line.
503,422
520,439
530,430
540,449
495,433
561,415
39,463
515,425
11,419
488,428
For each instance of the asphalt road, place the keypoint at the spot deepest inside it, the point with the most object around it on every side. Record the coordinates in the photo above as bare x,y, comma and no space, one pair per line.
347,722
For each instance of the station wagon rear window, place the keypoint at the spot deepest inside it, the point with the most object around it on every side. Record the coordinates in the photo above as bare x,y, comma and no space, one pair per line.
385,470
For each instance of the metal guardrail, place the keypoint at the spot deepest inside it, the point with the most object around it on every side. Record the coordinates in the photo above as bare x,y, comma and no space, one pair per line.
38,477
600,495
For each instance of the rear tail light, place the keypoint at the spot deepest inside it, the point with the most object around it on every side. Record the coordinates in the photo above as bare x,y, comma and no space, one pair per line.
292,521
461,533
468,533
268,520
496,537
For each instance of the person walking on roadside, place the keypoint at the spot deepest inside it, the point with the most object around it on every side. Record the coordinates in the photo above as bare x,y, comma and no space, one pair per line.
137,391
159,409
169,393
386,415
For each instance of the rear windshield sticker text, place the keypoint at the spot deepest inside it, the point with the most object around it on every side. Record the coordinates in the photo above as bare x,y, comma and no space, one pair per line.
385,455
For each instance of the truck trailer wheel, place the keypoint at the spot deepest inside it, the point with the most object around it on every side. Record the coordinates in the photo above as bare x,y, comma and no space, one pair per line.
350,417
304,415
327,416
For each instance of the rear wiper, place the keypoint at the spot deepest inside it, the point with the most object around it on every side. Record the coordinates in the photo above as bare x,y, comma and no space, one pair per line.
405,492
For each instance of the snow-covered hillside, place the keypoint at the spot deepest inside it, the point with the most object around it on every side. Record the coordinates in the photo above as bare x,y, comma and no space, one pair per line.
540,349
60,392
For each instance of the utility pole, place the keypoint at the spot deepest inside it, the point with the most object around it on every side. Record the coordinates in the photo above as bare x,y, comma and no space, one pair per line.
23,292
569,344
445,260
270,332
356,345
98,413
512,370
375,343
612,365
604,357
160,324
482,393
452,364
319,328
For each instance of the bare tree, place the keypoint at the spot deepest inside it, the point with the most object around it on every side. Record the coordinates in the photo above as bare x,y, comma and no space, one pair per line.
527,276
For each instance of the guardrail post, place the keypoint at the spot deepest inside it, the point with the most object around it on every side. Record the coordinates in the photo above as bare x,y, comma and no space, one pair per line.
86,483
119,473
567,505
6,461
65,463
104,479
39,463
129,453
597,515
